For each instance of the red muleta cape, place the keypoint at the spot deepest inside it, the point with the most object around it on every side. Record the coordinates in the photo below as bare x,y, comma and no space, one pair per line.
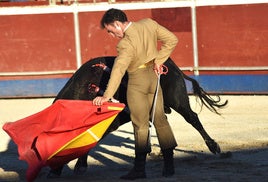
41,136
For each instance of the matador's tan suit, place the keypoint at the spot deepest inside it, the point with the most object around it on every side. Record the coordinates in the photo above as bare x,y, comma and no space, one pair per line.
137,54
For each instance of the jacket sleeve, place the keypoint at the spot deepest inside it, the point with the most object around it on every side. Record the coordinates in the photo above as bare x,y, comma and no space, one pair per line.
121,63
169,42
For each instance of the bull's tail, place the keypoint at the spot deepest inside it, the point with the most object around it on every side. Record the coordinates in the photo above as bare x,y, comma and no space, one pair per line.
211,103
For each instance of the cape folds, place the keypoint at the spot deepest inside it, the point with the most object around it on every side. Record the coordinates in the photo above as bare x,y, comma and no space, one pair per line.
60,133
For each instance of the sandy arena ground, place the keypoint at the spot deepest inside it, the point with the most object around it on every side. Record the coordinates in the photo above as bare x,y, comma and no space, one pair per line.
242,129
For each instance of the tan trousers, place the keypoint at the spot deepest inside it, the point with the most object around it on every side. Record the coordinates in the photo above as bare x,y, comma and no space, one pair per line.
140,94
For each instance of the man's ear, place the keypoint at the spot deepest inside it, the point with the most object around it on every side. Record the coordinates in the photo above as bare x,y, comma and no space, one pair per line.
117,27
116,24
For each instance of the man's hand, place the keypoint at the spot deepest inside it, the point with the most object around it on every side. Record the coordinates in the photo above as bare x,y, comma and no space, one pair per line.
160,69
98,101
157,69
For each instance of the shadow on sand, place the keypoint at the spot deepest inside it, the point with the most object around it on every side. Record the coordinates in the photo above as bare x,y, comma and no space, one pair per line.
113,157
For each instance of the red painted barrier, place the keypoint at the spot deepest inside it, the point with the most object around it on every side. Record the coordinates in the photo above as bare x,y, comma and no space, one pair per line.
37,42
234,35
229,37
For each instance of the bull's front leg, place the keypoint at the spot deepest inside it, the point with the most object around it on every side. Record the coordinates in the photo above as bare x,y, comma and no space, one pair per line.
81,165
79,168
192,118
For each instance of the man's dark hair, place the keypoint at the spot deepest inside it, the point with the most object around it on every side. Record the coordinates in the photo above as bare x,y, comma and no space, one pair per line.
113,15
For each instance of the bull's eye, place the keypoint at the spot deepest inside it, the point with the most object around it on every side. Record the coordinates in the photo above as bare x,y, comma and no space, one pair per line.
93,88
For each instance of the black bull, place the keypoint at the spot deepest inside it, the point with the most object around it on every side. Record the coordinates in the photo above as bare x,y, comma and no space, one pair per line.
91,79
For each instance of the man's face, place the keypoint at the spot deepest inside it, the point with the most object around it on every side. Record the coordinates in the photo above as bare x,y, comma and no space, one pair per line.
115,29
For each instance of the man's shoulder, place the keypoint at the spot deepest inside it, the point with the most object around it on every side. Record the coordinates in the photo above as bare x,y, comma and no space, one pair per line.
146,20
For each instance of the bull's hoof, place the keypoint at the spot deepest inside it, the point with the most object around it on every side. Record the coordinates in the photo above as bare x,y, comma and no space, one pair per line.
80,171
213,146
226,155
54,173
80,167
